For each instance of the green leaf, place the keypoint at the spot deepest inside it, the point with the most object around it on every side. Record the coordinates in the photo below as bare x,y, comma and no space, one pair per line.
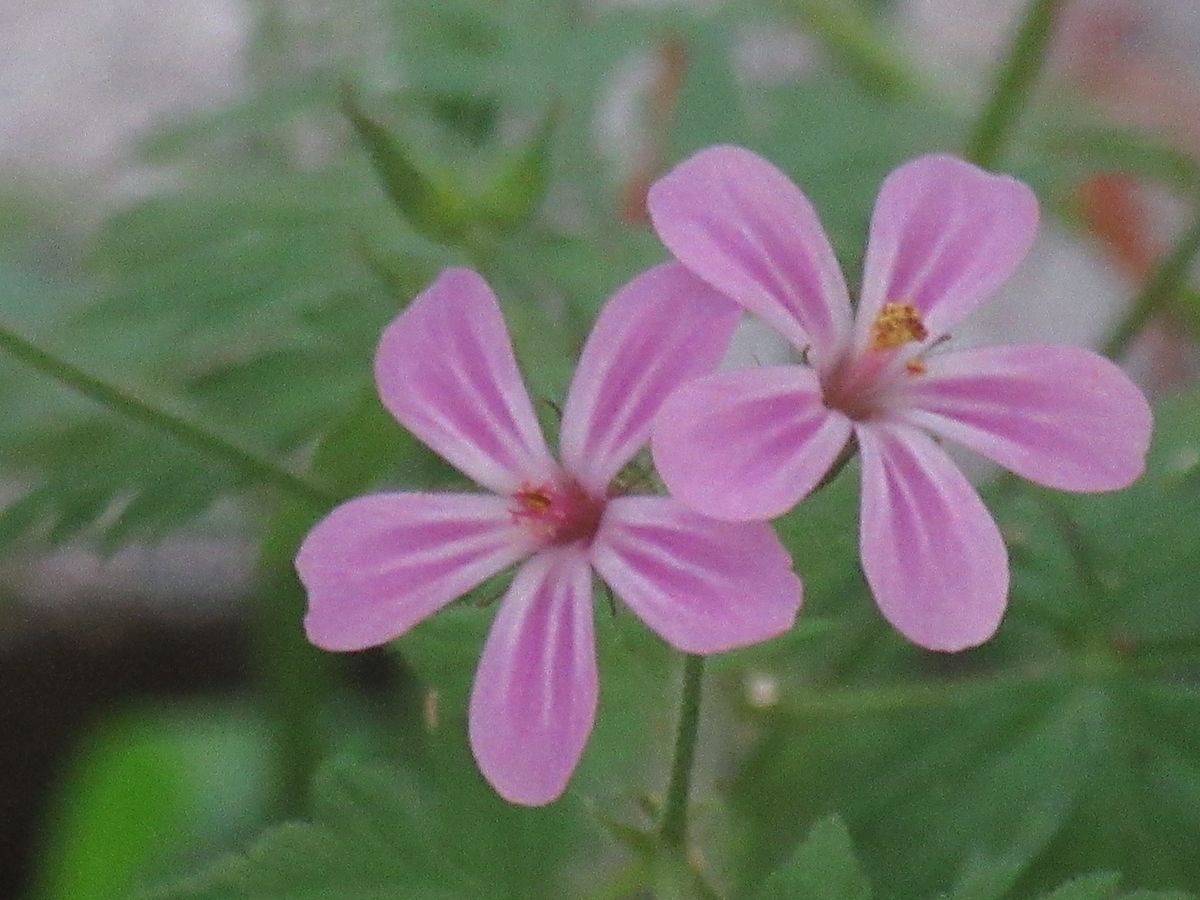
147,788
378,832
822,868
1100,886
516,191
1106,886
433,208
1066,745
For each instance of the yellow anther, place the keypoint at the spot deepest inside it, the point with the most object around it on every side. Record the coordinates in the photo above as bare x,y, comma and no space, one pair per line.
916,366
534,500
896,325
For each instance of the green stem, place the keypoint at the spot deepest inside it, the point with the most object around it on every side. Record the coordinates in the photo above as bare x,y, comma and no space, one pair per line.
856,42
870,700
673,831
294,679
1165,282
185,432
1016,78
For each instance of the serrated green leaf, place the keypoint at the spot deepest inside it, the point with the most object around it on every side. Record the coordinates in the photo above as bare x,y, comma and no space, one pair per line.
822,868
378,832
1065,745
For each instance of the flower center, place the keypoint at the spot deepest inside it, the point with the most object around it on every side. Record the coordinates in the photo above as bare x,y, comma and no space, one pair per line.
558,513
860,385
896,325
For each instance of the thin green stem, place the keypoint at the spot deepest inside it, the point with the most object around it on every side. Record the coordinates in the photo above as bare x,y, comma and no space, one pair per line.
295,680
1011,91
860,46
179,428
673,831
1095,665
1167,280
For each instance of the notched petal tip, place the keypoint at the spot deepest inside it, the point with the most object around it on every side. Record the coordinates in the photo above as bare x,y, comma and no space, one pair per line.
742,225
661,329
445,370
944,235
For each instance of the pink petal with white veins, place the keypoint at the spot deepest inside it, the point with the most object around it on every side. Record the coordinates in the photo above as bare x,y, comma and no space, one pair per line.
445,370
745,228
747,444
705,586
1061,416
944,236
534,698
931,552
663,328
379,564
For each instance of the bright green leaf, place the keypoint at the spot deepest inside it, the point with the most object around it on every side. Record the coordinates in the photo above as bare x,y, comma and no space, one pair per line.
822,868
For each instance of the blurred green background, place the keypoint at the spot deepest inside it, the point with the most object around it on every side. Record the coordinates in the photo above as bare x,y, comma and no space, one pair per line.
209,211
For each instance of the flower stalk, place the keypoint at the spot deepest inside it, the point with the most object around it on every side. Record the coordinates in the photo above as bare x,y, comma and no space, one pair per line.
1013,85
673,831
176,426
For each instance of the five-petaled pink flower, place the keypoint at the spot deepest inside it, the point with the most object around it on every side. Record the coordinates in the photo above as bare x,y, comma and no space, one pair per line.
749,444
379,564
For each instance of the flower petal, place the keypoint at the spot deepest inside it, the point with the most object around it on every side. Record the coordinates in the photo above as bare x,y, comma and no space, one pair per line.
1061,416
535,692
662,328
445,370
747,444
705,586
745,228
930,550
379,564
944,236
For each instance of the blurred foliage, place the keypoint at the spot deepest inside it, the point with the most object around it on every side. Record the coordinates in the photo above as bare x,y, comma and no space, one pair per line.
249,295
147,795
1068,743
381,832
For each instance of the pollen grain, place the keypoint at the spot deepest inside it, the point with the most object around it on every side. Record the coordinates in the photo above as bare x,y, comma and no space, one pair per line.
896,325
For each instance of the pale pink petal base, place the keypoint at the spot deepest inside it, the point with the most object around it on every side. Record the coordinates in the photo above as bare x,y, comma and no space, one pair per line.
749,444
663,328
534,699
1064,417
931,552
379,564
704,586
445,370
944,236
745,228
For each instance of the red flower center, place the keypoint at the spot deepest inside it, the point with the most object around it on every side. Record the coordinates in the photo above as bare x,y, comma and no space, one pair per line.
859,386
558,513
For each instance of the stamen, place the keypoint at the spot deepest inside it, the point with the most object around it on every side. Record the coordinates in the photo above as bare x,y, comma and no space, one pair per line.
896,325
533,500
916,366
557,513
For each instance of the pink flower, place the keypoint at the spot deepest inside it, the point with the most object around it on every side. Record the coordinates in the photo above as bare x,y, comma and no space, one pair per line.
379,564
750,444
